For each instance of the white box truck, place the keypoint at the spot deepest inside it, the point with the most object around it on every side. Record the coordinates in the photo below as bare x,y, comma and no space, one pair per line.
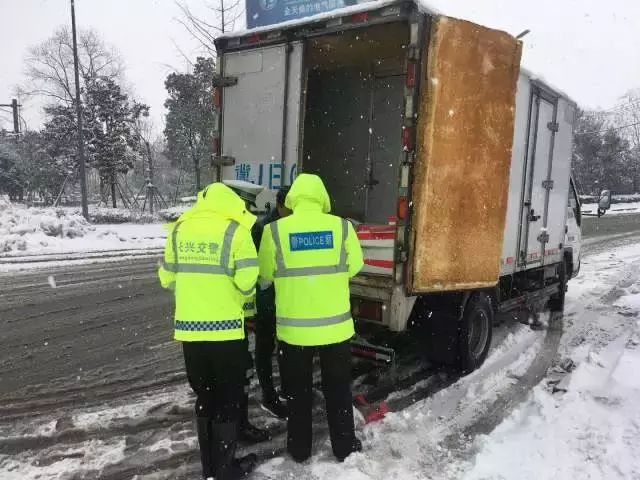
453,162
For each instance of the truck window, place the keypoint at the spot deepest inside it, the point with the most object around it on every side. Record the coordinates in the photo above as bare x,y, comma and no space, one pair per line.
574,204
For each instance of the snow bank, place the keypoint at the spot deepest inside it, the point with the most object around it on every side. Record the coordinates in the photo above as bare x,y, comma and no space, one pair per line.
117,215
173,213
23,229
35,231
616,208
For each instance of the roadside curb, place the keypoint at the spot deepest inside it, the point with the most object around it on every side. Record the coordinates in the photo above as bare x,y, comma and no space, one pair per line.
99,254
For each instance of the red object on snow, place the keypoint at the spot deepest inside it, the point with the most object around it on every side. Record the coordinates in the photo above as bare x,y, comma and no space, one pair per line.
378,413
371,413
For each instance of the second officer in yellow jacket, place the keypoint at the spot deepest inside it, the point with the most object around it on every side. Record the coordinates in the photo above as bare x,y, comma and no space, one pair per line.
310,257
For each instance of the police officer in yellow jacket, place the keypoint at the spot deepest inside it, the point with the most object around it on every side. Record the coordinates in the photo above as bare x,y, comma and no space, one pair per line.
310,257
247,432
210,263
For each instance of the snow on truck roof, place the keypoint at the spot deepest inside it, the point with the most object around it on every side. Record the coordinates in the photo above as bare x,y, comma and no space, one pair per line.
350,10
534,77
423,6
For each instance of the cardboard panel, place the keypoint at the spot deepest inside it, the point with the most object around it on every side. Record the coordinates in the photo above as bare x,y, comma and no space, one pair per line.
461,176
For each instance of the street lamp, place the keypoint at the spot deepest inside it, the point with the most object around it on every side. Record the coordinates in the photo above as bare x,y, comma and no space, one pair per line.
83,177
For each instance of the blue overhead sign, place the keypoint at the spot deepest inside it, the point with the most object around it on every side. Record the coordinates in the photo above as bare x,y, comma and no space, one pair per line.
268,12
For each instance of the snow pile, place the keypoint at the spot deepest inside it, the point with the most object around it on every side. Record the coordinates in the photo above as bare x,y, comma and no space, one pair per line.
592,430
629,198
43,231
105,215
616,208
173,213
24,229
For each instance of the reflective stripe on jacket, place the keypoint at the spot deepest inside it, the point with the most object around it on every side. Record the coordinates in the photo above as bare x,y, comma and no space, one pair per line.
211,264
310,256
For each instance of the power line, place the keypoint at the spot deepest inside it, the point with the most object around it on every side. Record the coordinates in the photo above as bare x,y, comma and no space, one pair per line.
621,108
608,129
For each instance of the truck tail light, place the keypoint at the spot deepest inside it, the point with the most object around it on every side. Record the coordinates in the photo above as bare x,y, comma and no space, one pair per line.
366,309
216,97
255,38
403,206
360,17
410,80
407,139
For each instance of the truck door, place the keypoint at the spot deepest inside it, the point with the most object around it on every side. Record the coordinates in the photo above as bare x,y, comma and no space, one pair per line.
385,147
534,236
260,116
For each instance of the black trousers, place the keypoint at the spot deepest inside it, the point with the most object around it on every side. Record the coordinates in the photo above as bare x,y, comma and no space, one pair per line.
335,364
216,373
265,332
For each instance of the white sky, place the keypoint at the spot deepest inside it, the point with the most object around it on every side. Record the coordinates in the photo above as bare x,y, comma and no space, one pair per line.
587,48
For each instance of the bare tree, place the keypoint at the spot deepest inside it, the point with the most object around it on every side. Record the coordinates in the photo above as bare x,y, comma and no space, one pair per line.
627,119
49,65
205,28
627,115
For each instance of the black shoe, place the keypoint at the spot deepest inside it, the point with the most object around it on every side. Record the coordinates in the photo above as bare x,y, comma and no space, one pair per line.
205,441
251,434
276,408
356,446
245,465
284,399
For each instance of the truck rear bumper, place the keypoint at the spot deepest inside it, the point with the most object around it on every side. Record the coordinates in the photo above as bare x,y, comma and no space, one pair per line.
396,306
361,348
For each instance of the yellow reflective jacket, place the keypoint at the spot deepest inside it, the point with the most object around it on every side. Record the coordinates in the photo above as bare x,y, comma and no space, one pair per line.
310,256
249,307
210,262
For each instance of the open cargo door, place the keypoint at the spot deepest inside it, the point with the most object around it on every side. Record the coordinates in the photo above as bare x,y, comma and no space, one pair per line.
461,177
260,116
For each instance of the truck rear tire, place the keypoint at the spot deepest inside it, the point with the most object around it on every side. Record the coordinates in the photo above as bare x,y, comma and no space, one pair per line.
475,333
556,302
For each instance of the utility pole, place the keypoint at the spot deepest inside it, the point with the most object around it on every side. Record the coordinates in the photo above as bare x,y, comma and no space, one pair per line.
150,178
83,175
16,114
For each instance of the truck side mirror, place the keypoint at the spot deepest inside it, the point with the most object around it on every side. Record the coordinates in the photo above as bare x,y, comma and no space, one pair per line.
604,203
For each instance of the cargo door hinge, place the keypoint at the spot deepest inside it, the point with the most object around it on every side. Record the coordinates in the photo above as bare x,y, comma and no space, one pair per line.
543,237
223,160
413,53
219,81
547,184
553,126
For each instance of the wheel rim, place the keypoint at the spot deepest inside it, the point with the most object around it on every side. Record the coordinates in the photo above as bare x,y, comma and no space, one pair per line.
478,333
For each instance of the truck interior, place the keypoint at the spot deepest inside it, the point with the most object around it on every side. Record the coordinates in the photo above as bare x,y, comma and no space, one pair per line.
353,107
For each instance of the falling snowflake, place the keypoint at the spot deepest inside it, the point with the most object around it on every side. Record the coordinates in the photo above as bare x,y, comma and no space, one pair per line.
52,281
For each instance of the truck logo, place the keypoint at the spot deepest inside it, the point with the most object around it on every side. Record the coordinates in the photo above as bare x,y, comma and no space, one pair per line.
268,4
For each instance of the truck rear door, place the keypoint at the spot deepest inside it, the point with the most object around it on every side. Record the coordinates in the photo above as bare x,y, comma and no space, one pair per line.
461,174
260,116
538,169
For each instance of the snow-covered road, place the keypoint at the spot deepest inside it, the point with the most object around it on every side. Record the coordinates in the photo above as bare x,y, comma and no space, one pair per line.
590,427
140,426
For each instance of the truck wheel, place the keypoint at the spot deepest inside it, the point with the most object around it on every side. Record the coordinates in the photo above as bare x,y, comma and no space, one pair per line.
556,302
475,332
